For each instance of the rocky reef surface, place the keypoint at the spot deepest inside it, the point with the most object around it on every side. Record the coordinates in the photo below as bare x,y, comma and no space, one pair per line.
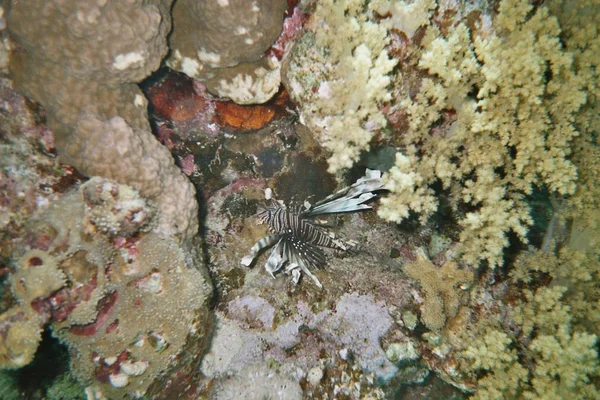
141,141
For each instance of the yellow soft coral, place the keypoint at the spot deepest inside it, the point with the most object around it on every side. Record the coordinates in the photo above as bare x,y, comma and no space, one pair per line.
492,352
554,360
339,73
442,288
550,351
514,96
581,34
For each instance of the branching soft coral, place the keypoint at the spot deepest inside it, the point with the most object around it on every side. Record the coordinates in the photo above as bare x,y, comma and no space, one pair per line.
561,358
550,352
339,73
583,38
492,352
512,97
442,288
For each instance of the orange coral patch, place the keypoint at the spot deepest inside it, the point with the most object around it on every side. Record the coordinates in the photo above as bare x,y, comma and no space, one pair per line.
245,118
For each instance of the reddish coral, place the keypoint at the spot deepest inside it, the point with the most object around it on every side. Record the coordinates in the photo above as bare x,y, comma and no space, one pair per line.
105,369
58,306
292,26
106,305
35,261
175,99
113,326
129,247
165,135
244,118
181,105
187,165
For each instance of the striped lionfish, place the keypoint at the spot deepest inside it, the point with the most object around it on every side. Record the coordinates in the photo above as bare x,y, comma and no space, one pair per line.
297,240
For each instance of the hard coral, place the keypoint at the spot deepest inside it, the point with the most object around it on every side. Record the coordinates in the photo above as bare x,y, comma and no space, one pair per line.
88,90
223,42
129,38
28,177
156,177
129,304
21,330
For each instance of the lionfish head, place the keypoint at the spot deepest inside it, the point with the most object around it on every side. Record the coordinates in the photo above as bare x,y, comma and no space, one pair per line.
265,214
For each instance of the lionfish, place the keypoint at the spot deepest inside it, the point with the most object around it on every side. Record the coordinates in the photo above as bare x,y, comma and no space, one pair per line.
298,241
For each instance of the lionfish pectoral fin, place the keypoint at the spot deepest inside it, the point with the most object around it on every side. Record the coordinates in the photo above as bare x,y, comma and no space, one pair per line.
296,276
263,243
295,269
276,259
247,260
350,198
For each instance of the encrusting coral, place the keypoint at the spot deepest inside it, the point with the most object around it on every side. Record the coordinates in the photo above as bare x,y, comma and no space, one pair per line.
442,287
129,303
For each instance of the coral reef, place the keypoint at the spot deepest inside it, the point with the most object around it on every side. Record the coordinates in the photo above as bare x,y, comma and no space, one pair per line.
489,107
88,262
338,74
477,276
222,42
340,334
94,108
464,92
332,342
127,303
